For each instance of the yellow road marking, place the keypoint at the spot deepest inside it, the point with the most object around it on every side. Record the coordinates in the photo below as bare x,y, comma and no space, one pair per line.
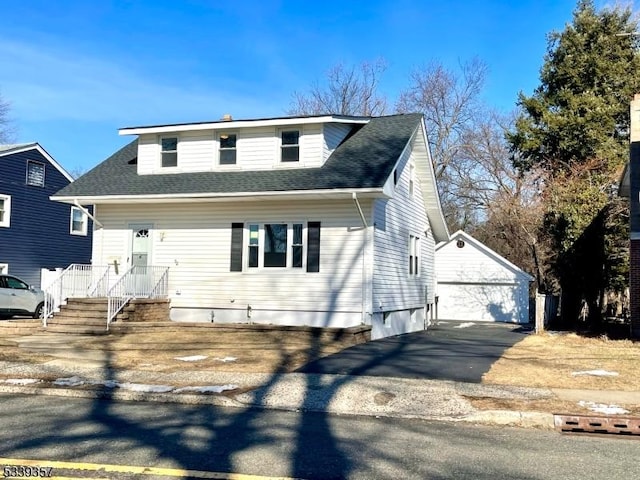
168,472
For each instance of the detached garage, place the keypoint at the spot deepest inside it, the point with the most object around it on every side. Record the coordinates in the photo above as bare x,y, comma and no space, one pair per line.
477,284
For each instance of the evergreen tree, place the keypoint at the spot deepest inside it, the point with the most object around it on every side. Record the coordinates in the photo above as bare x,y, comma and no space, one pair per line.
575,126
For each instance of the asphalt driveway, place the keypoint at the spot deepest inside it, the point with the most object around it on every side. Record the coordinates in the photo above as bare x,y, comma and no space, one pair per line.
443,352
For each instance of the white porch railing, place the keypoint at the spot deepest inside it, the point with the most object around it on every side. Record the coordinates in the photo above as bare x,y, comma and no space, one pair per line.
137,282
76,280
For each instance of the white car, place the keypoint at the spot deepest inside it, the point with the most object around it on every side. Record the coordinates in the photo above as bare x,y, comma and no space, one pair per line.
18,298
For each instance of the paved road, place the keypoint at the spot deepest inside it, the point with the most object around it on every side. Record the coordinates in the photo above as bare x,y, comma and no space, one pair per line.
443,352
292,444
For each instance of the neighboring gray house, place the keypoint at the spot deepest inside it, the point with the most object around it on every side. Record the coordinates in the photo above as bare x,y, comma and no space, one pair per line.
317,220
477,284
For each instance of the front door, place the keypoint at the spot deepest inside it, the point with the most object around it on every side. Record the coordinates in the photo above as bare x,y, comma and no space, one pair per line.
140,244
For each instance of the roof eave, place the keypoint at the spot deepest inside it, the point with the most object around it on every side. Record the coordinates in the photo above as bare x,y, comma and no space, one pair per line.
235,124
345,193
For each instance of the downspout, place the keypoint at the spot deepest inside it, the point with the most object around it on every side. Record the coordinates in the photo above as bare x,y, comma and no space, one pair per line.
365,277
86,212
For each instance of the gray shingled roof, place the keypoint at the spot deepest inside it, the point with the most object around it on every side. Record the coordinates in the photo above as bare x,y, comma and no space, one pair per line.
363,160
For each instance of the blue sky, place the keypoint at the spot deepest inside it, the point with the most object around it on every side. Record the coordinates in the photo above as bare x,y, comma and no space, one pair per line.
76,71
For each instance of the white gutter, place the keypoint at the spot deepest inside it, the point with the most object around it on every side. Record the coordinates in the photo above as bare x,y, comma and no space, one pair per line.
354,195
86,212
165,198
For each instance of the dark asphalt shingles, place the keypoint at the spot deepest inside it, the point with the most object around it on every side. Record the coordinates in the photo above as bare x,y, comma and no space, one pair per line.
363,160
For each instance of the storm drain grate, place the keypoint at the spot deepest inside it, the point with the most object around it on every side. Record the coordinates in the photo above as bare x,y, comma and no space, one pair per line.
597,424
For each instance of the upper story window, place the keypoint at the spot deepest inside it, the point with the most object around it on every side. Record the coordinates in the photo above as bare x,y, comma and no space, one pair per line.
78,222
35,173
290,145
227,152
169,151
5,210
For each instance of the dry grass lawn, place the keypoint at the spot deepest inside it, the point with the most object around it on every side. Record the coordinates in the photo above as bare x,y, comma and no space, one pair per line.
549,360
259,352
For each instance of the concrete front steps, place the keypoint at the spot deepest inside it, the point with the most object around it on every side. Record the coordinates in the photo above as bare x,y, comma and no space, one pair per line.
80,316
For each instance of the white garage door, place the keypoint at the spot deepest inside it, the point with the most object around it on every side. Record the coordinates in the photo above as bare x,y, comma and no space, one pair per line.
485,302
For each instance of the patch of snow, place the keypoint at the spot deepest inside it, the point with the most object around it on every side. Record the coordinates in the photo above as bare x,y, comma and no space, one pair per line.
441,323
21,381
226,359
597,373
141,387
206,389
192,358
465,325
69,382
603,408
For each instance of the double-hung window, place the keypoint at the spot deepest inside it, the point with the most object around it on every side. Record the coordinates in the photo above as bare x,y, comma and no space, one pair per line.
78,222
228,150
169,151
290,145
5,210
414,255
275,245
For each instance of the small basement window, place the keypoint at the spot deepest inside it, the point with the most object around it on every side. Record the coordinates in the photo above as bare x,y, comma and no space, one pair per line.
35,174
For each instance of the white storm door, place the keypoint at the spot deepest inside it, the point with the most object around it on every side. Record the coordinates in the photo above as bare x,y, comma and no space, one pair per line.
141,244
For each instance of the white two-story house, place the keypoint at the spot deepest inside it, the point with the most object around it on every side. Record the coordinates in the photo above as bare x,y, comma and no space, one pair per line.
317,220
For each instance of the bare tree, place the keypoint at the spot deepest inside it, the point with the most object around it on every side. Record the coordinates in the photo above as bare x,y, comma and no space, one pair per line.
7,131
347,90
450,102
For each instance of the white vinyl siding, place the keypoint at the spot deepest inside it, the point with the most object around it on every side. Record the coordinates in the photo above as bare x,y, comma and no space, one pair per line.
334,133
257,149
395,221
468,264
311,146
194,240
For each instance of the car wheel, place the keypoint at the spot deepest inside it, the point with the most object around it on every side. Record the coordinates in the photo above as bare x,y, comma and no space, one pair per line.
39,313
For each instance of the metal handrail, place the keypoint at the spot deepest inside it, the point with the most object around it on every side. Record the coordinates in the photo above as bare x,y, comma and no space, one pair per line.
137,282
76,280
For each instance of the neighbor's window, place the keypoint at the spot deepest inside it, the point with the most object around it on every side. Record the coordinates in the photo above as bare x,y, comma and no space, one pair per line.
169,149
414,254
290,145
35,174
78,222
5,210
4,268
228,148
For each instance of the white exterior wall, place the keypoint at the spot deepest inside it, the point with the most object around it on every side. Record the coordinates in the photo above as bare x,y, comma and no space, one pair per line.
194,240
334,133
475,286
468,264
256,149
394,290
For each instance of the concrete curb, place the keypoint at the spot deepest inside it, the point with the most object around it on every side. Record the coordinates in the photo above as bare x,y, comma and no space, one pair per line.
491,417
539,420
